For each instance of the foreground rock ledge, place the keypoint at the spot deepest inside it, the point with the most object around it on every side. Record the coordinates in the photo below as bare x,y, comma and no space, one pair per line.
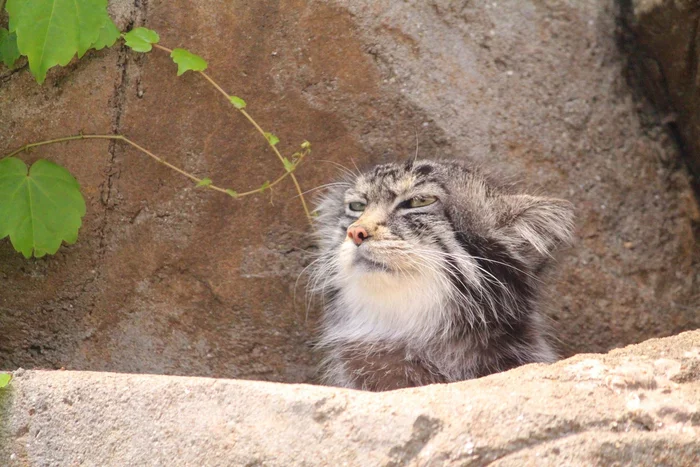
638,406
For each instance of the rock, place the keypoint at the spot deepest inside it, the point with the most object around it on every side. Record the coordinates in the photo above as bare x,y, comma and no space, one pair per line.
664,41
173,280
634,406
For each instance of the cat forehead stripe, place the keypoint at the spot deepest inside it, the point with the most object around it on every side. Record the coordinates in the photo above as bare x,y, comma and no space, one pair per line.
391,180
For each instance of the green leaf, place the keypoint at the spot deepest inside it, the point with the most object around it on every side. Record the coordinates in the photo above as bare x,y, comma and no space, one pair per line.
232,193
237,102
9,53
204,182
305,145
265,186
5,379
140,39
288,165
39,209
272,139
187,61
108,35
51,32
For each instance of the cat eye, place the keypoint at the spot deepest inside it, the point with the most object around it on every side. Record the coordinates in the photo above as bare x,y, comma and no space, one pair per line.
420,201
357,206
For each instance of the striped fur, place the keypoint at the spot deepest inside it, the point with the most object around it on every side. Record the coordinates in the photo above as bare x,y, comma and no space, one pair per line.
439,293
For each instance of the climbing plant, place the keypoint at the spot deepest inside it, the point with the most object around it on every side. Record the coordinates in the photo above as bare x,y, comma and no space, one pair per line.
41,207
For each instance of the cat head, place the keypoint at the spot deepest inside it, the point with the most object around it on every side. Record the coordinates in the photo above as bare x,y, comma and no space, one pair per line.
439,223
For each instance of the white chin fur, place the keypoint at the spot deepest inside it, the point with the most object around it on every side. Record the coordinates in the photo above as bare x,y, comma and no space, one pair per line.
392,305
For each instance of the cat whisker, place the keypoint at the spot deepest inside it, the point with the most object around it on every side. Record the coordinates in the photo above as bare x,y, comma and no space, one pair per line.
309,291
321,187
348,172
468,256
493,279
357,169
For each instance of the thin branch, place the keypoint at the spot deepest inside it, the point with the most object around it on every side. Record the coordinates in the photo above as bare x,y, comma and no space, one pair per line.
257,127
160,160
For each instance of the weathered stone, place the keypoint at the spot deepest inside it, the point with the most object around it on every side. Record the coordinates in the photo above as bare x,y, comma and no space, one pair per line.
665,44
635,406
169,279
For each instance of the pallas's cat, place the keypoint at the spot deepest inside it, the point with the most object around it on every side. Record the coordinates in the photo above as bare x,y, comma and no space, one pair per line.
430,272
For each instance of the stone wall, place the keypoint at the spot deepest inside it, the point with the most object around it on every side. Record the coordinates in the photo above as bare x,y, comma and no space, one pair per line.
638,406
171,280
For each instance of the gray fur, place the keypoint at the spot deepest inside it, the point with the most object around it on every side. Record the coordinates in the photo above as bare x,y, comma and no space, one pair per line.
439,293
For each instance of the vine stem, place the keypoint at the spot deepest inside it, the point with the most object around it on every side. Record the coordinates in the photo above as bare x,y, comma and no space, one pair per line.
160,160
257,127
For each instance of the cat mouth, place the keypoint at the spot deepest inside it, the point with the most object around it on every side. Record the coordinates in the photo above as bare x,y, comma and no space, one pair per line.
365,262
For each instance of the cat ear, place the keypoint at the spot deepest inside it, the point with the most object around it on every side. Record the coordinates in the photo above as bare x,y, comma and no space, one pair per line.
539,224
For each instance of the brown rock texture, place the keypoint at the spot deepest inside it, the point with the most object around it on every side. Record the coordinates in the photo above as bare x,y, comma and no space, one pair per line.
665,43
169,279
638,406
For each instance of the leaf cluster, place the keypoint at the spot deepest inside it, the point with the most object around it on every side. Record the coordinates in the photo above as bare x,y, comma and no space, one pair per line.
41,207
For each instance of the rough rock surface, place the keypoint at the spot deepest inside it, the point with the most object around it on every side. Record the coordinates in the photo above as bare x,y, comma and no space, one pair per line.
635,406
665,42
168,279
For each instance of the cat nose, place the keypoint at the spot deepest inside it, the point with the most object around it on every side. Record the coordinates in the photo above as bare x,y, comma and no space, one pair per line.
357,234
